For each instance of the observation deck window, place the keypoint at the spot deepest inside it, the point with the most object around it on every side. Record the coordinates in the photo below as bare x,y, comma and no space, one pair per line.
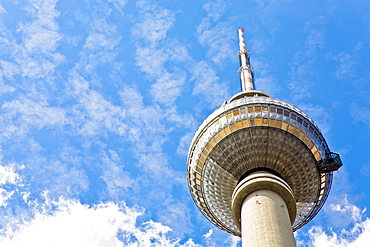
242,110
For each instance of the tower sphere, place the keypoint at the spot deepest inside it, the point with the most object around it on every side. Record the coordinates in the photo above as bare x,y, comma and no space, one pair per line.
255,132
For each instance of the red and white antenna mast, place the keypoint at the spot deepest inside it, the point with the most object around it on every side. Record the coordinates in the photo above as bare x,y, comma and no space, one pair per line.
246,71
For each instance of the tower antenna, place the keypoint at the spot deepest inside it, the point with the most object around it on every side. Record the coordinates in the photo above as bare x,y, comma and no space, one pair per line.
246,71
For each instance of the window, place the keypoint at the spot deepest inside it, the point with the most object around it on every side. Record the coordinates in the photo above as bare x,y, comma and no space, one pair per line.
253,123
278,124
272,122
258,121
233,127
265,121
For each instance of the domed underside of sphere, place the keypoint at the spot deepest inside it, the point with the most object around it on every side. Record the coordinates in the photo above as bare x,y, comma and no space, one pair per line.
256,133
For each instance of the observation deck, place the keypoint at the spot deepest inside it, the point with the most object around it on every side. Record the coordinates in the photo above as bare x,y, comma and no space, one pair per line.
255,132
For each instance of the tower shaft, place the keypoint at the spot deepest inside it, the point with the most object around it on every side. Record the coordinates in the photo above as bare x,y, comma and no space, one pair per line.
264,210
265,221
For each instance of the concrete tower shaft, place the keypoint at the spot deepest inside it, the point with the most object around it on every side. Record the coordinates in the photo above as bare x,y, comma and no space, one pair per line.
263,205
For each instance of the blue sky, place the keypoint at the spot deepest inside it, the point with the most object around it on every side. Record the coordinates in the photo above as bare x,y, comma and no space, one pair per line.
99,101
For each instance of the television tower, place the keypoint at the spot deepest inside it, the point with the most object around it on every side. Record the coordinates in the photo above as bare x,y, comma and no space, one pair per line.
259,167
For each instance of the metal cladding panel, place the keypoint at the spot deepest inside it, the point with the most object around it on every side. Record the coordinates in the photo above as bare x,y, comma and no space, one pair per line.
255,132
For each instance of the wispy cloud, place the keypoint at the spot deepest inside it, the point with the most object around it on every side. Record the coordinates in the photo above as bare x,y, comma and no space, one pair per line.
150,31
154,23
219,41
215,9
37,55
360,114
302,70
347,61
27,114
114,175
148,133
207,84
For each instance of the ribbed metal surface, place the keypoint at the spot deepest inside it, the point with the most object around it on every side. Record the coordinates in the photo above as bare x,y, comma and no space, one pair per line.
254,132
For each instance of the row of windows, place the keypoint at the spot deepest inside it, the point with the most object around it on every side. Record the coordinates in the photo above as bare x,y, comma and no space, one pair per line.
312,143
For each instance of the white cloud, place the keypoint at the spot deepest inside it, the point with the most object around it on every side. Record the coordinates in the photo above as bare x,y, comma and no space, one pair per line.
37,114
215,9
113,175
355,234
168,87
347,60
349,211
93,114
37,55
2,10
8,176
154,22
118,4
358,236
97,40
219,40
150,31
9,70
148,130
215,237
74,224
101,115
207,84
